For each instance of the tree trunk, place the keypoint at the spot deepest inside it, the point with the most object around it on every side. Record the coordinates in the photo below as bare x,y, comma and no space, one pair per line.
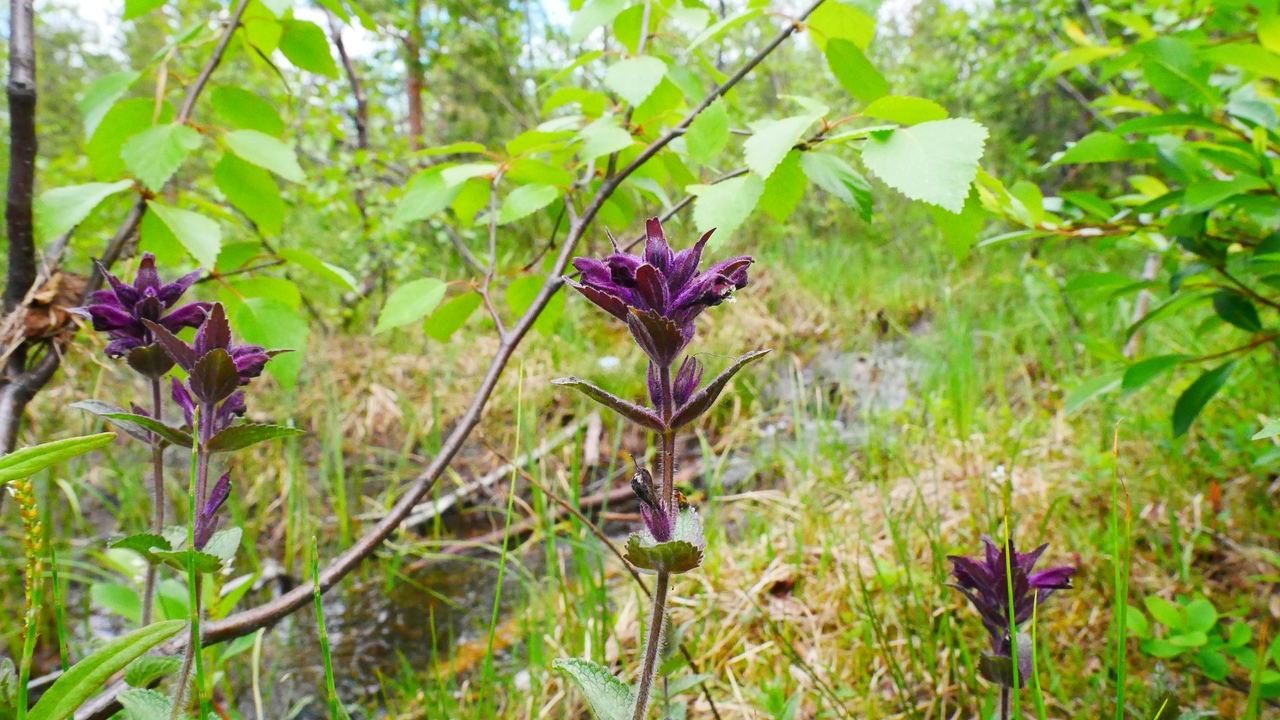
21,384
413,43
22,152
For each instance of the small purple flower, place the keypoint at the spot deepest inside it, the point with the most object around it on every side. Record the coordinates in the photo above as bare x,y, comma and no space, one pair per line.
687,380
660,523
207,518
223,415
659,294
124,311
986,583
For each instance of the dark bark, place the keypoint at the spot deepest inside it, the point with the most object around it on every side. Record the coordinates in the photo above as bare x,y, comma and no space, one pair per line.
22,153
21,384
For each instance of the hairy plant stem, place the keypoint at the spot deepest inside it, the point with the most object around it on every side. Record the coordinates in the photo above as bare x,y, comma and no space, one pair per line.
652,646
157,524
667,457
1004,703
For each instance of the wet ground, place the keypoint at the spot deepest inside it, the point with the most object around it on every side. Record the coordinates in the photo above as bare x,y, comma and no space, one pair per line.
387,623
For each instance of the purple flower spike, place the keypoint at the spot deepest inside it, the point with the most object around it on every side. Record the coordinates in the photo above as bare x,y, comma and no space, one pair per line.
207,518
214,335
986,583
660,293
125,312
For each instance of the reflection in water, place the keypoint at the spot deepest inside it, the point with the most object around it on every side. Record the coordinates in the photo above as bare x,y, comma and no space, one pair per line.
438,616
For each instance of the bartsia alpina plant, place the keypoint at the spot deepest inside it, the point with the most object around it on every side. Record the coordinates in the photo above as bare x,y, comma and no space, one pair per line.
659,295
990,582
122,311
143,321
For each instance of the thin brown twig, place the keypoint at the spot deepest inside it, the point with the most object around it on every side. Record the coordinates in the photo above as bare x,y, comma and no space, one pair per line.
493,256
1243,348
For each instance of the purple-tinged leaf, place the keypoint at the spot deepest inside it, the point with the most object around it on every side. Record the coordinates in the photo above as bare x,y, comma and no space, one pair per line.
179,350
706,397
141,422
637,414
107,410
214,377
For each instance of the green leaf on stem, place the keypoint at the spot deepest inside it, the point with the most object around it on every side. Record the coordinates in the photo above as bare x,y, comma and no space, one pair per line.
102,95
107,410
1197,395
725,205
1141,373
145,544
86,677
252,191
59,210
451,316
246,110
273,324
179,559
594,14
150,668
834,175
905,110
1237,310
305,45
838,20
708,133
224,543
239,437
28,461
143,704
855,72
771,140
156,153
785,187
680,554
635,78
609,697
602,137
526,200
410,302
201,236
934,162
266,152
